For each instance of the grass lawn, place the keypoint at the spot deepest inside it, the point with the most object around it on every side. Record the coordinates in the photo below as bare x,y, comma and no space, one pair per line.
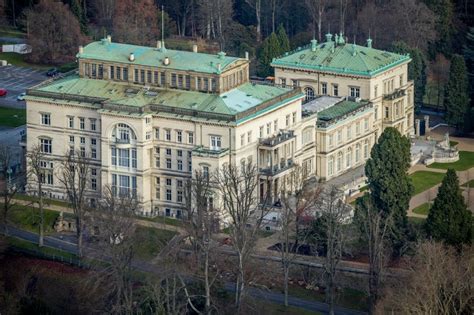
453,143
349,298
12,117
27,218
33,247
466,161
19,60
151,241
161,219
423,209
46,200
423,180
469,184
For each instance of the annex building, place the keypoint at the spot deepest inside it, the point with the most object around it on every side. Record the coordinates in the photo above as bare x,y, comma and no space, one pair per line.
148,117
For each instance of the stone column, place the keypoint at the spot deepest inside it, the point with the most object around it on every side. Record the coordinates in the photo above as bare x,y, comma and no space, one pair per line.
427,123
417,127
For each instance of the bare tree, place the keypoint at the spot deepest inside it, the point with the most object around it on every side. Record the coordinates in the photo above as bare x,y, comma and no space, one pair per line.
114,223
36,174
298,197
375,227
439,281
238,187
316,9
8,190
201,226
335,214
257,6
75,177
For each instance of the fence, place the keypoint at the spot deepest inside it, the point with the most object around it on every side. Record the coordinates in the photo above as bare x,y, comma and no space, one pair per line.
73,261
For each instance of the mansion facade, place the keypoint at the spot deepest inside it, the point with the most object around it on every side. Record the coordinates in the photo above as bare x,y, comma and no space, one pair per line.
148,117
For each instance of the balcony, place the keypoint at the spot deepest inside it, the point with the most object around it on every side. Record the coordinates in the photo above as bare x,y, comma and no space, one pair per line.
395,95
277,168
281,137
122,141
202,151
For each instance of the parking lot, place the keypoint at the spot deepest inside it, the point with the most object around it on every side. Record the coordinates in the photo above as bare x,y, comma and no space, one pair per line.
16,80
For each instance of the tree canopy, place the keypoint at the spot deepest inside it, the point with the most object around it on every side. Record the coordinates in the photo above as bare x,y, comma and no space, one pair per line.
449,220
456,96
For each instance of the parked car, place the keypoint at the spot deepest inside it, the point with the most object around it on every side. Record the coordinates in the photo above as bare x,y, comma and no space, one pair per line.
3,92
21,97
52,72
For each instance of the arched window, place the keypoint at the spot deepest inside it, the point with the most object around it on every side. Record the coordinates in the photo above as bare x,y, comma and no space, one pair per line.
349,158
123,133
331,166
339,161
357,157
309,94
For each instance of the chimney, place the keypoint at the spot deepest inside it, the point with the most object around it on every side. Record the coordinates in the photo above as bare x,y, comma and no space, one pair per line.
109,38
328,37
195,48
314,44
166,61
81,49
131,57
158,44
369,42
221,55
246,55
219,67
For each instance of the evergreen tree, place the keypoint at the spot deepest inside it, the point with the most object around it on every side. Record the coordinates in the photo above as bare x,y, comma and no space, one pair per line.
449,220
416,68
283,39
469,57
456,95
269,50
76,9
444,11
389,184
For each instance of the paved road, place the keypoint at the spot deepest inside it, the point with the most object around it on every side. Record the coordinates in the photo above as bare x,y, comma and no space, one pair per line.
273,297
16,80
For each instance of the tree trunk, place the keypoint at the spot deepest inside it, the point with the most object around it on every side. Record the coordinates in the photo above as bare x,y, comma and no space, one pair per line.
41,225
286,271
258,13
239,284
79,233
206,282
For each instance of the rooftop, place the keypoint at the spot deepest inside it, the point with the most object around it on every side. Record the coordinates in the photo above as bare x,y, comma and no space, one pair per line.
241,100
340,57
340,109
149,56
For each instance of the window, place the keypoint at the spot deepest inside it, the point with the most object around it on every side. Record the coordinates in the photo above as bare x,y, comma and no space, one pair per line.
83,140
46,145
188,82
82,123
119,74
339,162
205,171
249,137
355,91
324,88
309,94
168,135
46,119
283,82
134,158
168,194
179,136
331,166
157,133
124,185
366,149
366,124
168,151
348,158
93,124
94,70
190,137
190,166
242,139
330,140
287,120
125,74
155,77
70,121
163,78
148,135
357,157
112,72
168,163
148,76
386,112
376,91
215,143
295,83
142,76
275,125
168,182
401,80
206,84
94,183
261,132
71,139
358,128
294,117
101,71
269,128
349,132
114,156
136,75
335,90
179,197
83,152
157,162
179,152
93,171
123,157
180,165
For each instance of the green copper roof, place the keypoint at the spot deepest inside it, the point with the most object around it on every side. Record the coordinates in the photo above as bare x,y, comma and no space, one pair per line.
149,56
342,58
235,101
340,109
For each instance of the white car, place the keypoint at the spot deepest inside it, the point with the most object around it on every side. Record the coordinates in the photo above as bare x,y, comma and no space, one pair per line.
21,97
